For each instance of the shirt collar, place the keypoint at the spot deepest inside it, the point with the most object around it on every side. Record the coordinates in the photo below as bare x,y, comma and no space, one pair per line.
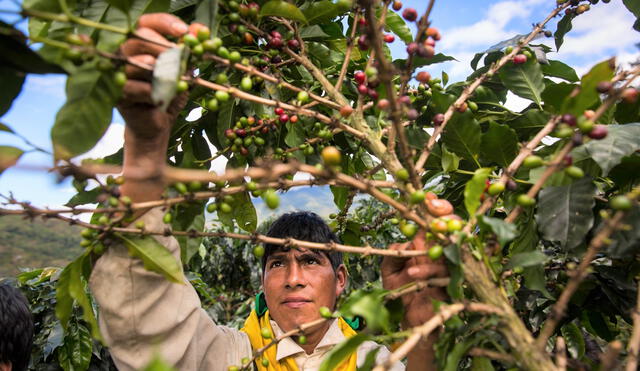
288,347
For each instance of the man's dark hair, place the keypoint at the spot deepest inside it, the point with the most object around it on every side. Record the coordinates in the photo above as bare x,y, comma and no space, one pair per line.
302,225
16,328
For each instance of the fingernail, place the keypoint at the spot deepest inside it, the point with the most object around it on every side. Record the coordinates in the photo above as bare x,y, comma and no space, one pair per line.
413,271
180,27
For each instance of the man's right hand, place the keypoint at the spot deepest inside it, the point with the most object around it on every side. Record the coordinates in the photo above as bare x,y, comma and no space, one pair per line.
143,118
148,125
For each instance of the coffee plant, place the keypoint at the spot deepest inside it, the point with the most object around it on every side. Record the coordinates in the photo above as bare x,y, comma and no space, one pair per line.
542,255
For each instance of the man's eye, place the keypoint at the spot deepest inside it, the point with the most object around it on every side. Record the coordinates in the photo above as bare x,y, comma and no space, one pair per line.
275,263
312,261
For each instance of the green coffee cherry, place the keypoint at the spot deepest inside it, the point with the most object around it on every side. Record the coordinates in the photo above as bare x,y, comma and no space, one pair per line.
621,203
167,218
525,201
533,162
325,312
266,333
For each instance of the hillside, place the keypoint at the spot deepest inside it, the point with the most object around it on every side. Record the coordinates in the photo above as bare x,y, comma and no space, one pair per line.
38,243
34,244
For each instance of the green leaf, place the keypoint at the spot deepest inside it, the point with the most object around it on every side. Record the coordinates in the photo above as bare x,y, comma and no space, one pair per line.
84,118
166,72
458,351
627,112
75,354
370,361
505,232
625,242
9,156
64,301
72,287
529,123
242,211
564,26
565,213
340,195
188,217
341,351
474,189
295,135
588,95
634,7
246,213
555,95
86,197
596,324
526,259
6,128
154,256
123,5
224,121
450,161
15,55
110,41
323,11
421,62
499,144
397,25
575,341
370,306
463,135
280,8
621,141
12,81
207,14
561,70
524,80
481,364
313,32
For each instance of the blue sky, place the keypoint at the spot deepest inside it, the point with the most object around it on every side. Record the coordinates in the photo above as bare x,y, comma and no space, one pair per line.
467,27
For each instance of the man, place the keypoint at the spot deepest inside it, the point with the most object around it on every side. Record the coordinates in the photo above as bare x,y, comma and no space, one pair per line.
142,313
16,329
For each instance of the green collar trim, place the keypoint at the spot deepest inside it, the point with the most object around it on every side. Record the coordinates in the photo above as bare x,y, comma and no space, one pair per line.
261,309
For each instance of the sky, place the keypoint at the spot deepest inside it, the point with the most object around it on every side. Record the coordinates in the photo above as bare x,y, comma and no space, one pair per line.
466,26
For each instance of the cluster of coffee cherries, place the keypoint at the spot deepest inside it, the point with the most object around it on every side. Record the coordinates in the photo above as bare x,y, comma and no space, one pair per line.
578,7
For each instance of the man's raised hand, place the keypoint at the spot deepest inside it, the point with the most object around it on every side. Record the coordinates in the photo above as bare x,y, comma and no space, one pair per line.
144,119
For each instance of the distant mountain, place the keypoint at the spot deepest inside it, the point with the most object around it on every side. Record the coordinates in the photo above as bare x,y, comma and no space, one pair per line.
35,244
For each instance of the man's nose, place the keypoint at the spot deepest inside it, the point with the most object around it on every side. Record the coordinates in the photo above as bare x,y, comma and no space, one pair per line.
295,276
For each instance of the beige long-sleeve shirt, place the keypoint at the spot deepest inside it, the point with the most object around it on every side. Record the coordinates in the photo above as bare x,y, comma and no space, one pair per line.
142,314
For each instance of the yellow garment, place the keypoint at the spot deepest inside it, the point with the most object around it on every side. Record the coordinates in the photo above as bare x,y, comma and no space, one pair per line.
253,328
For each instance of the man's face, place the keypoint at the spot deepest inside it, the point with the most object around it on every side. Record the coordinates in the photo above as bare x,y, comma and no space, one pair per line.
297,282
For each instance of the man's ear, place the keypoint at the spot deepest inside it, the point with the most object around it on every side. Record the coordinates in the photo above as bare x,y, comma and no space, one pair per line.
5,366
341,279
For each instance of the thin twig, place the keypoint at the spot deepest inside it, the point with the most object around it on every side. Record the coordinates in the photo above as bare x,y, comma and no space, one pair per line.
419,332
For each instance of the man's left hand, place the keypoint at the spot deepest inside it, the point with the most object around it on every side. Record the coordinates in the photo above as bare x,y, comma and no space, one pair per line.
397,272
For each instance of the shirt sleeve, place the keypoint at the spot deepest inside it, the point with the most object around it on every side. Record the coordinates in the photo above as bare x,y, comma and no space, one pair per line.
142,314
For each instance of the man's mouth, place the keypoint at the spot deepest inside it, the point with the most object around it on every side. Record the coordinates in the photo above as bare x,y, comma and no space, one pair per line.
295,302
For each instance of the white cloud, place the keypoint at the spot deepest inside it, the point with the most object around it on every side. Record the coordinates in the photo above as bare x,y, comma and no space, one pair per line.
515,103
46,84
605,30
